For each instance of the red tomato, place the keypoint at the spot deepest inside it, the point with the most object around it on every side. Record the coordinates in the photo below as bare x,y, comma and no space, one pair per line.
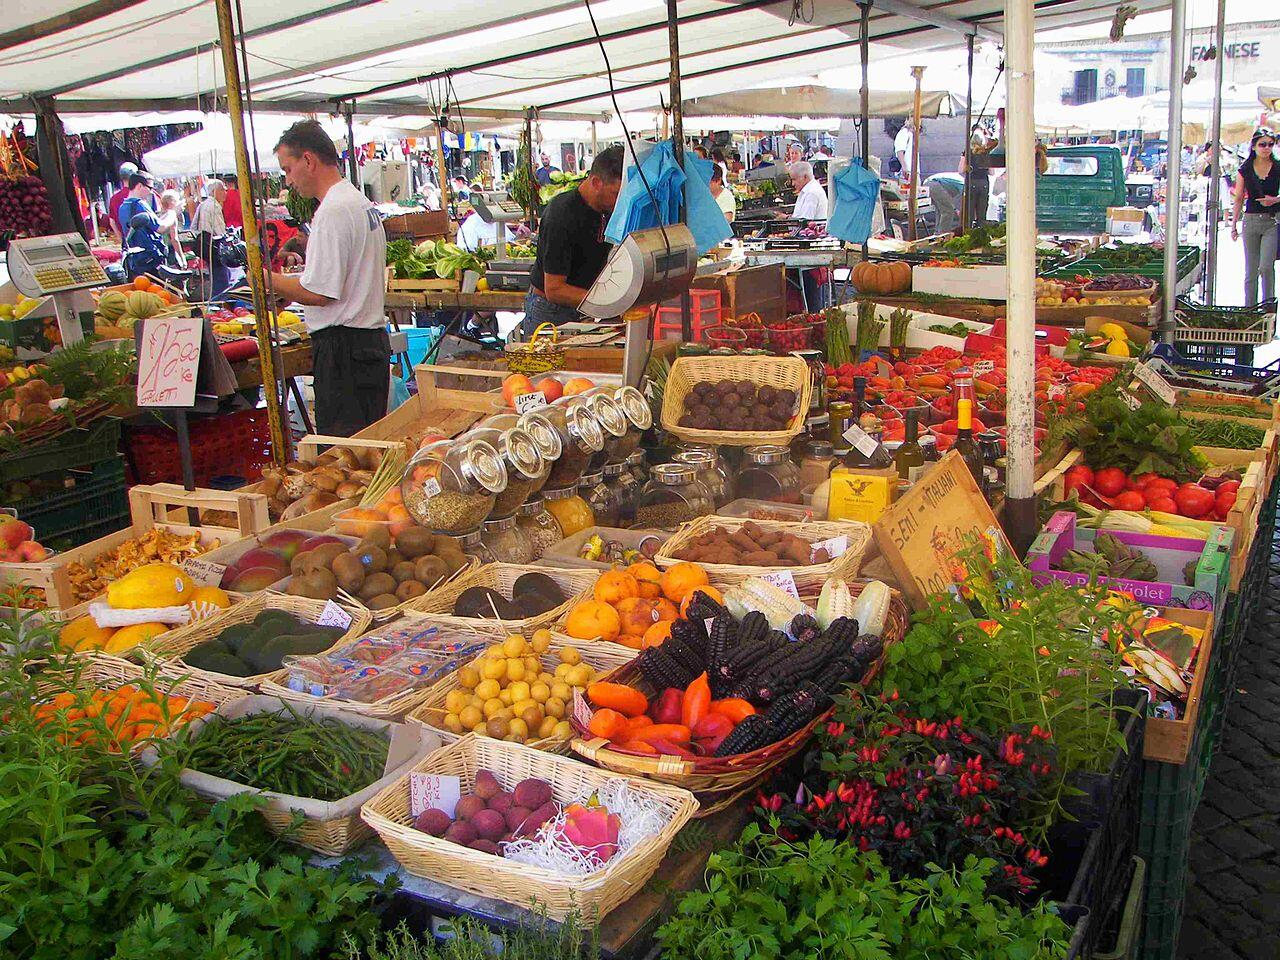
1109,481
1223,501
1162,503
1231,486
1130,500
1080,470
1193,500
1142,479
1162,485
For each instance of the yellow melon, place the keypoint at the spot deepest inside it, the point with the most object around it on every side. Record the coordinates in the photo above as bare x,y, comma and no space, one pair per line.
126,638
83,633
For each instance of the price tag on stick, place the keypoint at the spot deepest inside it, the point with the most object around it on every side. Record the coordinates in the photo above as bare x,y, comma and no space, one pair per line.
333,616
434,790
783,580
530,401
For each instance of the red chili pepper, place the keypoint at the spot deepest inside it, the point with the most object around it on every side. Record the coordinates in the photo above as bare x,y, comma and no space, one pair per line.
696,702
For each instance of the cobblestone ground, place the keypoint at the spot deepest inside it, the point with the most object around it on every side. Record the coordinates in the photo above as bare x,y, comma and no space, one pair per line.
1233,895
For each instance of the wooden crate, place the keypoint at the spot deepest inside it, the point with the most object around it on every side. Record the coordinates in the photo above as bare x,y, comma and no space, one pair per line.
421,224
1169,741
760,289
409,420
487,397
150,506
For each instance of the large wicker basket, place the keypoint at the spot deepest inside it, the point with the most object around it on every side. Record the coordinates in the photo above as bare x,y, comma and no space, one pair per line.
717,782
604,657
437,859
397,706
502,577
790,373
846,565
171,646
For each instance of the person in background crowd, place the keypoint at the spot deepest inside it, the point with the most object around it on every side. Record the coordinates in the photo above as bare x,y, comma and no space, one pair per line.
458,189
572,249
431,195
945,191
725,199
795,153
811,199
1257,193
902,147
143,230
979,181
717,156
342,286
700,150
232,212
127,170
171,203
209,223
543,173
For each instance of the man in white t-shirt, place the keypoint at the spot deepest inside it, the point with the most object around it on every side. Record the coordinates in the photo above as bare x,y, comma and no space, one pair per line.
724,197
343,285
903,144
811,199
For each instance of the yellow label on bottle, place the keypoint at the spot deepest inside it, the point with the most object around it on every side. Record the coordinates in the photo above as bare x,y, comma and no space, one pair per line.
861,496
964,414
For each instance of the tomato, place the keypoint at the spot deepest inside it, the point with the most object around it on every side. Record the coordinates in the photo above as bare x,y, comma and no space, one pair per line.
1130,500
1080,473
1223,501
1109,481
1231,486
1162,503
1142,479
1161,485
1193,500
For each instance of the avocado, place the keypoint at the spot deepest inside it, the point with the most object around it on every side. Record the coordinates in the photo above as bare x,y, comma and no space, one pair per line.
278,619
213,656
538,583
234,636
482,602
533,604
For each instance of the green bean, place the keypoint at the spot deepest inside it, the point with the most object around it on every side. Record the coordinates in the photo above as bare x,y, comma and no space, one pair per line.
1227,433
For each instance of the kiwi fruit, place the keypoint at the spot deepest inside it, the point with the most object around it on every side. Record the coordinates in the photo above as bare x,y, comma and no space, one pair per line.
403,571
394,556
382,601
376,584
316,584
454,559
482,602
415,542
409,589
379,536
372,556
430,570
349,572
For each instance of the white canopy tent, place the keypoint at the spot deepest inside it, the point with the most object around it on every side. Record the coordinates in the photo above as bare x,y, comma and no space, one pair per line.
806,101
212,150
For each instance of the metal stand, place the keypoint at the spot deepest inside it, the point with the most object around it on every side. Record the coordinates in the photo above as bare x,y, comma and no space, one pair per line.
1173,182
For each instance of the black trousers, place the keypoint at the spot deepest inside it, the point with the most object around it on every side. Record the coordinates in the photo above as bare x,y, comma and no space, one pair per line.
351,374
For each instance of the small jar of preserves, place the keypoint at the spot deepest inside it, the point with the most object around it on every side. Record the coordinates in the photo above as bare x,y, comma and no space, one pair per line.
572,512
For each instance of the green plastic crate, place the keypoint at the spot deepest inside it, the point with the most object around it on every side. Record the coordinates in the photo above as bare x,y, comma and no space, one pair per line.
76,448
99,494
1129,925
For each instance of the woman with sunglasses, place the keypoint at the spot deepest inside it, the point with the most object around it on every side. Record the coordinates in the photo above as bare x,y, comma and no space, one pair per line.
1257,191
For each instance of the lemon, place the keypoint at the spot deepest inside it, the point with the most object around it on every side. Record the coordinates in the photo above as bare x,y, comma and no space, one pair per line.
1112,331
1118,348
482,285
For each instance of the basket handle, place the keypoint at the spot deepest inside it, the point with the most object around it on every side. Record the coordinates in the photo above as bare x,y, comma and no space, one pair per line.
550,329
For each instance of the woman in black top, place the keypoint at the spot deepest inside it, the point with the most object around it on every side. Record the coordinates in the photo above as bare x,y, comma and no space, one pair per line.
1257,191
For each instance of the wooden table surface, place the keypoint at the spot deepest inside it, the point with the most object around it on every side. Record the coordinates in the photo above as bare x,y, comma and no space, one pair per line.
511,300
295,358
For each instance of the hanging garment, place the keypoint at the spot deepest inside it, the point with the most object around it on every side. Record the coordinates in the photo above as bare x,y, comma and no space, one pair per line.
857,194
635,207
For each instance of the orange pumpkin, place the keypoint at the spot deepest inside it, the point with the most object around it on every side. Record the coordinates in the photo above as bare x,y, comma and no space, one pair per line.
710,591
593,619
616,585
882,278
648,578
656,635
636,614
682,578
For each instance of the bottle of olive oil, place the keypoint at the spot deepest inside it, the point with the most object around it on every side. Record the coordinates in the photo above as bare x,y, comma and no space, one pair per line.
909,457
864,480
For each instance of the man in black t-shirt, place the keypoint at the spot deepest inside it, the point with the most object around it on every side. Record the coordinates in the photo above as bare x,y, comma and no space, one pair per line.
572,249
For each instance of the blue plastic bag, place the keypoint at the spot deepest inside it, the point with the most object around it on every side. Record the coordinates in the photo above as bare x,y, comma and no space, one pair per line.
635,208
857,193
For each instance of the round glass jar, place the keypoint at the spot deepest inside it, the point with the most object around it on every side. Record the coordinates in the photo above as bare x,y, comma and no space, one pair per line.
816,463
604,506
523,461
815,428
625,491
720,488
704,461
581,437
450,486
469,543
506,541
613,425
571,512
638,466
767,473
544,434
539,526
639,419
673,495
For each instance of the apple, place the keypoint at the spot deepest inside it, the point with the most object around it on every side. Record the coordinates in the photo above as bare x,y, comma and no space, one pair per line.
13,531
10,556
577,385
32,552
551,388
513,386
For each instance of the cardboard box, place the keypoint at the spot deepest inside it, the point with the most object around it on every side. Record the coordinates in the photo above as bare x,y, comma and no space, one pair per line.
1170,555
420,225
1125,221
983,282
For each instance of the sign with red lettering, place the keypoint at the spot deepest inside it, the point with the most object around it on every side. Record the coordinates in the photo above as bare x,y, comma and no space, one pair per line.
168,361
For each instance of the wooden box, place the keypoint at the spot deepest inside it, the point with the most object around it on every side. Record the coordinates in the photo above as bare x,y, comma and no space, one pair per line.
1169,741
760,289
421,225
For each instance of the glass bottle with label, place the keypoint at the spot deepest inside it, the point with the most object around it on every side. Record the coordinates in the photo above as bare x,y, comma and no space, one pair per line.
864,480
909,458
863,435
966,445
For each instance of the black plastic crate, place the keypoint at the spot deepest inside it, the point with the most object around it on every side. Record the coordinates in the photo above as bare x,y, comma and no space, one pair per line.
1120,932
92,496
76,448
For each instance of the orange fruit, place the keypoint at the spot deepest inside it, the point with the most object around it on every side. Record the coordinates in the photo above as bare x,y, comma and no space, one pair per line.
614,586
679,580
593,619
656,634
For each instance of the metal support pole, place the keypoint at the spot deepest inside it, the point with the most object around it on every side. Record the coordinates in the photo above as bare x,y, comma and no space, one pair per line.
913,184
1213,209
677,145
532,211
442,174
864,96
1173,183
595,140
1020,512
281,444
348,110
966,214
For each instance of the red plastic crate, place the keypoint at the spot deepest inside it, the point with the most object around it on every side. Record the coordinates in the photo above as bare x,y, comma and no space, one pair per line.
230,444
704,311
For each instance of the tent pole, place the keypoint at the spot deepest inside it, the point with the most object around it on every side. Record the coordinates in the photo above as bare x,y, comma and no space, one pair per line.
864,57
913,184
443,175
280,441
595,140
966,213
1213,212
1020,511
1173,182
348,109
677,148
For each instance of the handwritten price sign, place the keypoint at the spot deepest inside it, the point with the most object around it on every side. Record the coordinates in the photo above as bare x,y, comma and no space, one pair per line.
168,360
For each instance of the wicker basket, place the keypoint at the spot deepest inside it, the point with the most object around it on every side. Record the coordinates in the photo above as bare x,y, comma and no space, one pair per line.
846,565
789,373
718,782
398,706
171,646
502,578
538,355
605,657
487,875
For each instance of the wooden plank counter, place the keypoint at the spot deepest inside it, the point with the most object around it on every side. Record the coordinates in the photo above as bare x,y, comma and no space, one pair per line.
294,358
508,300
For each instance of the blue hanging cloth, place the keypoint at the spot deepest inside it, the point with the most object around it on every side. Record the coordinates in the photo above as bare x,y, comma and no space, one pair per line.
857,193
635,208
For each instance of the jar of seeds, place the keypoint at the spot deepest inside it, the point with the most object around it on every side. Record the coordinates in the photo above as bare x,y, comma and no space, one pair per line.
673,495
523,461
539,526
581,437
451,485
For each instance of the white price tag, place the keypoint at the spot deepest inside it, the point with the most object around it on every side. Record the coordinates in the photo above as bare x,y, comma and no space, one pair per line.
434,790
581,712
431,487
983,366
1130,400
835,546
707,624
1156,383
1056,391
860,440
529,401
333,616
205,573
782,579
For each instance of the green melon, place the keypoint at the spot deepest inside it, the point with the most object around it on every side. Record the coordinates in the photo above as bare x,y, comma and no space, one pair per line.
112,305
141,304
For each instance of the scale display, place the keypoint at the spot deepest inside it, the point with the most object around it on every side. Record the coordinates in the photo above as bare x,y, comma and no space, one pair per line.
39,266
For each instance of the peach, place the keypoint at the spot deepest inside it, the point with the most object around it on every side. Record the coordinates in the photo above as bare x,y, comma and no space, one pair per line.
513,386
577,385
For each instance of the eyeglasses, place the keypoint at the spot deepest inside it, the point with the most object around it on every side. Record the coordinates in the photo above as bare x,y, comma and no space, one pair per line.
1267,144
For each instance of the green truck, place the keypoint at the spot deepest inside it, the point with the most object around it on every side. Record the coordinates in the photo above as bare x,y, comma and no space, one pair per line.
1073,195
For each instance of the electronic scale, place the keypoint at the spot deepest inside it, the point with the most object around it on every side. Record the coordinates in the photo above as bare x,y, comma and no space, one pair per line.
56,266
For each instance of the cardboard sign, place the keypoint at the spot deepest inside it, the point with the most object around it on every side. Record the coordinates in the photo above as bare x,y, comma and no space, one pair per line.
1155,382
924,531
581,712
205,573
530,401
438,790
168,361
983,366
835,546
333,616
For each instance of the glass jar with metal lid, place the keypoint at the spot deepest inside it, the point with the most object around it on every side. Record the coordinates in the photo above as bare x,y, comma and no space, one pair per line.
708,473
816,427
768,474
639,419
817,378
469,543
544,434
450,486
506,541
638,467
721,486
524,463
603,504
581,437
572,512
673,495
539,526
625,490
816,463
613,425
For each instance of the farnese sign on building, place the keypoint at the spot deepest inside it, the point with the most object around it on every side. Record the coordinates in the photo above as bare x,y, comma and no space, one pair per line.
1240,50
